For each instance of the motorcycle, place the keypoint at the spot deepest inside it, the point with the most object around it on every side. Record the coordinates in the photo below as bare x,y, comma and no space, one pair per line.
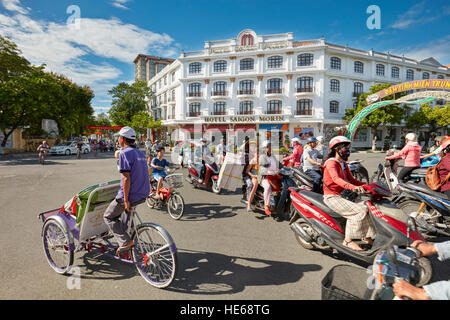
316,226
210,179
345,282
170,198
279,199
429,208
358,170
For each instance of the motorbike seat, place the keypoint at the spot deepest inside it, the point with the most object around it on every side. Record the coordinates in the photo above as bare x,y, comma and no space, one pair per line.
317,200
299,171
422,188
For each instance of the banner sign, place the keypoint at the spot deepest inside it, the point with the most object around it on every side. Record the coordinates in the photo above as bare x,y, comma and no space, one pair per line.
411,85
105,127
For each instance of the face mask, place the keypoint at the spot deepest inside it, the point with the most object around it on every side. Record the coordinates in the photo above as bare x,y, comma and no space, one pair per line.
344,153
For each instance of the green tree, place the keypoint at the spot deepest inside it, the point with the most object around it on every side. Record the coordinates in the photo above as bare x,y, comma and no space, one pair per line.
128,100
143,121
387,116
12,64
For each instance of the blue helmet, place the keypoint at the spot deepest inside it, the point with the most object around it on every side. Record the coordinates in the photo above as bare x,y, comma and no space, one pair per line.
311,139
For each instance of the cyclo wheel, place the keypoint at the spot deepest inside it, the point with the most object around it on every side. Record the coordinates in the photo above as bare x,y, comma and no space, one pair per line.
58,246
175,205
155,254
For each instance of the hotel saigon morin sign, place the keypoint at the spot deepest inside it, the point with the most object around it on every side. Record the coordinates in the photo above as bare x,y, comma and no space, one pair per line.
411,85
240,119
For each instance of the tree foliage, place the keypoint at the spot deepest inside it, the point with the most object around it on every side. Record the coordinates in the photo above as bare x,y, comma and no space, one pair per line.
142,121
128,100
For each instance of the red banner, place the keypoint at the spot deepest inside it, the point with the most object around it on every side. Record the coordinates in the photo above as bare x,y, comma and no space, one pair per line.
104,127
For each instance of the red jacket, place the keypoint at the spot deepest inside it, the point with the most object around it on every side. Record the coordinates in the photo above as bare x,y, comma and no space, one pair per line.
336,179
296,155
444,169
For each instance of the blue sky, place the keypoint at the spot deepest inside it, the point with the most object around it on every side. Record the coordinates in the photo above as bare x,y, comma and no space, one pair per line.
99,52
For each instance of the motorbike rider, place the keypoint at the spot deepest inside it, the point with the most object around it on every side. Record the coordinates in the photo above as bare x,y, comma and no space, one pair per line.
43,150
336,179
203,155
251,177
311,164
267,166
296,155
321,147
436,149
444,167
411,151
439,290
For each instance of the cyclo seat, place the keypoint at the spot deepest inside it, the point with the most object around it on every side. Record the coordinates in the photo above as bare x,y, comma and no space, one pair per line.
423,188
316,199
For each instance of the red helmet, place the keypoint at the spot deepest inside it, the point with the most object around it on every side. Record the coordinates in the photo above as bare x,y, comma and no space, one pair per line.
445,143
337,140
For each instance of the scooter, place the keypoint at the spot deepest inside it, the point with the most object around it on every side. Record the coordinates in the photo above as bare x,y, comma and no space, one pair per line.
424,165
316,226
210,179
345,282
358,170
279,199
429,208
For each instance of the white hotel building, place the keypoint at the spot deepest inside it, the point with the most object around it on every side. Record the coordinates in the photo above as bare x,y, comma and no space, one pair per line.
265,82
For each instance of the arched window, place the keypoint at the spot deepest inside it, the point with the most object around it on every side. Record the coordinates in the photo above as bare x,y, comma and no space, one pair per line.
305,84
358,88
334,106
275,62
305,59
194,109
335,63
304,107
274,107
425,75
220,108
380,69
246,107
247,64
410,74
195,67
247,40
274,86
359,67
395,72
195,90
220,66
246,87
220,88
335,85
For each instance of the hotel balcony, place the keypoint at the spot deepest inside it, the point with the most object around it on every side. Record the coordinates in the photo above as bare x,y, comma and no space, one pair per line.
270,112
218,113
304,91
304,112
219,94
244,113
193,114
274,92
244,94
194,96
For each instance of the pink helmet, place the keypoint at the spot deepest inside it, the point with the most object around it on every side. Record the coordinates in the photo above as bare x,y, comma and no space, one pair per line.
337,140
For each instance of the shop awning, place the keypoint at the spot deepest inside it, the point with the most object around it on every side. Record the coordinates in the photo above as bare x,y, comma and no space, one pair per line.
192,128
219,127
244,127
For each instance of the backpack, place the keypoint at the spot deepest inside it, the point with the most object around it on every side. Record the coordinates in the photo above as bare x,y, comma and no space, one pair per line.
432,178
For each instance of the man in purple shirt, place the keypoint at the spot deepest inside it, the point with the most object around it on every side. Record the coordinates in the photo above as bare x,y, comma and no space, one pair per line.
134,186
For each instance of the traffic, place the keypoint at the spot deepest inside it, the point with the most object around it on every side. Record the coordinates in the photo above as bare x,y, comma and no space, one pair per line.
328,201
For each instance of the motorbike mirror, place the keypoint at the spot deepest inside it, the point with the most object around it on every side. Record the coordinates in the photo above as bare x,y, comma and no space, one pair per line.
411,226
392,257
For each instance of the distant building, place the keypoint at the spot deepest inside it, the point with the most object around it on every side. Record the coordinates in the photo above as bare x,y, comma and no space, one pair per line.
146,67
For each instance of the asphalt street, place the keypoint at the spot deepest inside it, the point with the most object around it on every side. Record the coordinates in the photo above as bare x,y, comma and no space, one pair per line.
224,252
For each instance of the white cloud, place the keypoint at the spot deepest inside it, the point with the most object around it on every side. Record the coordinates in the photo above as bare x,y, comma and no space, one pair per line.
440,50
418,15
120,4
14,5
69,51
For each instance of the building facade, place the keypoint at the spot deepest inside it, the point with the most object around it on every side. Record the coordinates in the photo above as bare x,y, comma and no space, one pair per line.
146,67
271,82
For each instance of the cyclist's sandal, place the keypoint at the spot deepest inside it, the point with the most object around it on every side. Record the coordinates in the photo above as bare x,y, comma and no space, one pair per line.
126,247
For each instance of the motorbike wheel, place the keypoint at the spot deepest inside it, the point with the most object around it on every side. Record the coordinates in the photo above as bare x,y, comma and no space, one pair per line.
308,230
410,207
426,271
215,187
175,206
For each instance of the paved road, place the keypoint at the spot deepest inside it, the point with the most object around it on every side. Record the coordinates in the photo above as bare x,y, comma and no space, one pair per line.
224,252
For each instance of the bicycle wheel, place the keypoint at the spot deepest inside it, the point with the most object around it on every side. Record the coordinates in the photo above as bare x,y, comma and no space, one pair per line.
175,205
155,254
58,246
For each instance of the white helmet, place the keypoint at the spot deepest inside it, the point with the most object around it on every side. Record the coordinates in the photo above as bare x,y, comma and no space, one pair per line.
266,143
297,140
337,140
411,136
320,139
128,133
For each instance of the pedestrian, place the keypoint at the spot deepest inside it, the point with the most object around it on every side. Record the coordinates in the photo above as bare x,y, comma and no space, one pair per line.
134,187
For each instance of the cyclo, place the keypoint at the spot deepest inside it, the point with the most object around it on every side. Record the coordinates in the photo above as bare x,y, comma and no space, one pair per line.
79,226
